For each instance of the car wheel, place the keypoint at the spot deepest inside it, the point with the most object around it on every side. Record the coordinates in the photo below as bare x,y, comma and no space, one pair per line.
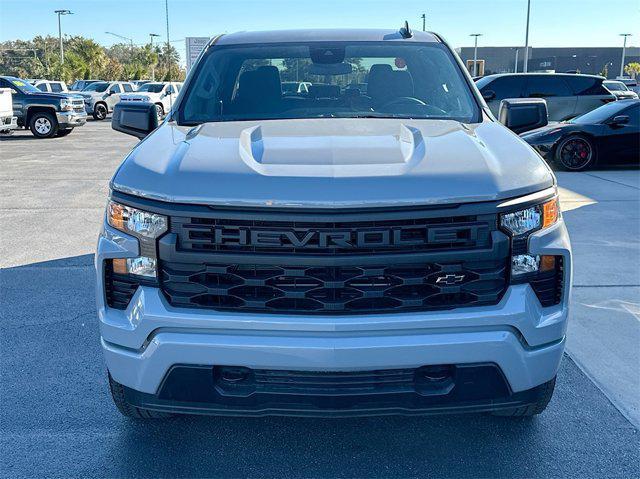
43,125
65,132
575,153
544,393
100,111
159,111
126,409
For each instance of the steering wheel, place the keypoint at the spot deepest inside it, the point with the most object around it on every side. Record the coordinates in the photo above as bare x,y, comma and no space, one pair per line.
403,100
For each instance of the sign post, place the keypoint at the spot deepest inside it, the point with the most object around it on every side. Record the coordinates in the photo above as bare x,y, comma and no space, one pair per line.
195,45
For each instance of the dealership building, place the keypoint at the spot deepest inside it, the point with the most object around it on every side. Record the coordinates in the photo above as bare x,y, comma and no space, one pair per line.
556,59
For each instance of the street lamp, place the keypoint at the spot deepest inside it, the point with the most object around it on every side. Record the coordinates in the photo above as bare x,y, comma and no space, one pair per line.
475,53
624,50
424,22
153,67
525,66
59,13
130,40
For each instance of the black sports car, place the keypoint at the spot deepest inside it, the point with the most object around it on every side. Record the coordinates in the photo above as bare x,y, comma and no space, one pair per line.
608,135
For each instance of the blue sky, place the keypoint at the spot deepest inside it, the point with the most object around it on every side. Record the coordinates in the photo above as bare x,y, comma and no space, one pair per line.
553,22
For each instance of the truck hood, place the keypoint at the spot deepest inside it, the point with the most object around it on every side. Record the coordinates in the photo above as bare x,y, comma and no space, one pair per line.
55,96
332,163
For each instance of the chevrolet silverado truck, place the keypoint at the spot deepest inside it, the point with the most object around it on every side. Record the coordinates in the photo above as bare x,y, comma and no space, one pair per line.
398,251
45,114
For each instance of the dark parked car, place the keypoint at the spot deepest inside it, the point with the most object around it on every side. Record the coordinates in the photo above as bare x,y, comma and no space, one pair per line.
567,95
45,114
609,135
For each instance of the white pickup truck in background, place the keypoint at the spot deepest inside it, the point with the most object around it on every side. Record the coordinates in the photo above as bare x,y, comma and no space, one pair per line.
161,94
7,120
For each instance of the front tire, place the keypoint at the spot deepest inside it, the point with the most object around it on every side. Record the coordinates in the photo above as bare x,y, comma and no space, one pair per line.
43,125
126,409
100,111
575,153
544,394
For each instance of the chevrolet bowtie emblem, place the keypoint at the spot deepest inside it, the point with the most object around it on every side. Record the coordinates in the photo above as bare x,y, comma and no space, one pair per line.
450,279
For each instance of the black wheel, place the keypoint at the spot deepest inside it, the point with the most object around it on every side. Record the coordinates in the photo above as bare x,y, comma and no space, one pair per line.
544,393
575,153
159,111
100,111
117,393
65,132
43,124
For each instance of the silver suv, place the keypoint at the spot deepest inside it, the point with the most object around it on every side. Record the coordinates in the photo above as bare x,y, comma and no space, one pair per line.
100,97
332,252
567,95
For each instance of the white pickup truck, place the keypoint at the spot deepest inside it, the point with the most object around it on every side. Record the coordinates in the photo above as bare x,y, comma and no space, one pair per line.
7,120
162,94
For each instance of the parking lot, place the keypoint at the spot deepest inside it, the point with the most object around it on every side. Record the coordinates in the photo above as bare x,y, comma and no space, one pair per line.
57,418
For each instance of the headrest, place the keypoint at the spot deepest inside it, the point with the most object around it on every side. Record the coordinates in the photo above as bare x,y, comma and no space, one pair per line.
263,82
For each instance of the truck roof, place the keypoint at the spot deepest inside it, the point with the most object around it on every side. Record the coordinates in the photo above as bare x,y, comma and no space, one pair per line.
324,35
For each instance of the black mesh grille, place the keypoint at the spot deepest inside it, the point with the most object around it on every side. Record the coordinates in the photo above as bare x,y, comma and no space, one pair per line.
333,289
548,285
305,237
120,288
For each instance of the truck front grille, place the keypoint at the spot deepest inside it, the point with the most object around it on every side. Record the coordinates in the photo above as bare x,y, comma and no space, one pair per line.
333,289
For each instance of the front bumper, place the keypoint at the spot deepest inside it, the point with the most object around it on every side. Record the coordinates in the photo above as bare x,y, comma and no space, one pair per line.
71,119
144,342
8,123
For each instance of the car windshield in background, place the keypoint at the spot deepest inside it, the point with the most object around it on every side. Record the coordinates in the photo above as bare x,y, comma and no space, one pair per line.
97,87
333,80
599,114
151,87
616,86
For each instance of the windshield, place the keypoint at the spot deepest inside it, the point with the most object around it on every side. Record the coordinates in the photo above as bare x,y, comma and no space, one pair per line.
599,114
341,80
98,86
24,86
615,86
152,87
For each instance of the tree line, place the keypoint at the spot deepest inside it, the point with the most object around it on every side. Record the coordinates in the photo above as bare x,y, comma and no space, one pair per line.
86,59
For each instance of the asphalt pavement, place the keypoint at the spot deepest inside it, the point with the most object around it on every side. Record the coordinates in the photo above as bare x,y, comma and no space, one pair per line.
57,419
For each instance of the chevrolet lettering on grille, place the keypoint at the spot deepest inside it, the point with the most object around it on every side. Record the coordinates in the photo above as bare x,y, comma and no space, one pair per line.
357,238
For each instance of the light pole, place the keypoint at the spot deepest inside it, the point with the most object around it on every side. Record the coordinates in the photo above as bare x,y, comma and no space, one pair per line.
424,22
153,67
59,13
130,40
475,53
525,66
166,11
624,50
515,66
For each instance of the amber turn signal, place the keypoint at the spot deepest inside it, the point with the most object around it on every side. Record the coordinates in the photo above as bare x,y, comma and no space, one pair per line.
550,212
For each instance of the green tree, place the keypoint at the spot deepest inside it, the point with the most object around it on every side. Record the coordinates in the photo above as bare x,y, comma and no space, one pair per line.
632,69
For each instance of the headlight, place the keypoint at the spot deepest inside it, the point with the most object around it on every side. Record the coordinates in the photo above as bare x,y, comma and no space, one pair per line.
530,219
135,221
140,266
66,104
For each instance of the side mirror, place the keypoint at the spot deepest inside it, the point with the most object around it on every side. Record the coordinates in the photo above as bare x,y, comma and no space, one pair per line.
618,120
136,119
488,95
523,114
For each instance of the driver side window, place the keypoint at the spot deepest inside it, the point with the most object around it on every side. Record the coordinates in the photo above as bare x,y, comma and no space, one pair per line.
114,89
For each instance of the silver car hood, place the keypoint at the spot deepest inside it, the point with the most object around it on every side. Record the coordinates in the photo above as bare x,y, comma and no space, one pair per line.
332,163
